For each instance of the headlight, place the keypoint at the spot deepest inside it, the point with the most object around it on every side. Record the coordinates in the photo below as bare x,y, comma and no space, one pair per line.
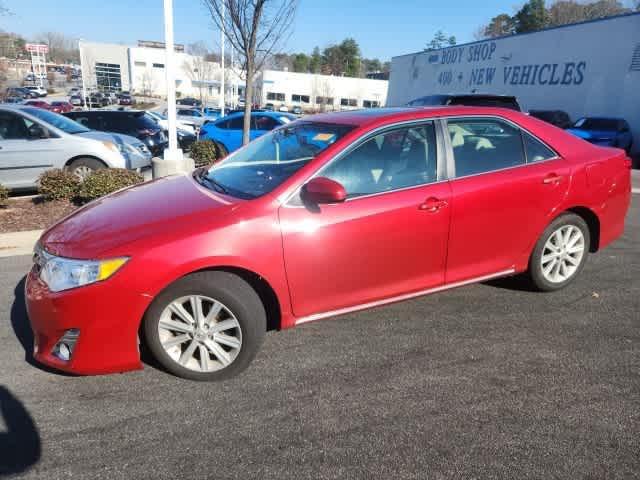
65,273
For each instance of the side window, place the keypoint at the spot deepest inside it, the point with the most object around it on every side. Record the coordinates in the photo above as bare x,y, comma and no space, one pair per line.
236,123
536,150
263,122
13,127
398,158
223,124
484,145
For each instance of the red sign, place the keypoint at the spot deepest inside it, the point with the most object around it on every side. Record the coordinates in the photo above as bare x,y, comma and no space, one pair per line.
37,48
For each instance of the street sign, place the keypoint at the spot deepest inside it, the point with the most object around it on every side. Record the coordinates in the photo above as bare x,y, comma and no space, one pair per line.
36,48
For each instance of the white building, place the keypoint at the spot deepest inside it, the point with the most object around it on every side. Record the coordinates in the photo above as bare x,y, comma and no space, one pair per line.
141,70
320,92
585,69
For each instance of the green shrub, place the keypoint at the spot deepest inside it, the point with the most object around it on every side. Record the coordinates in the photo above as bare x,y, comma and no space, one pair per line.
205,152
105,181
58,184
4,196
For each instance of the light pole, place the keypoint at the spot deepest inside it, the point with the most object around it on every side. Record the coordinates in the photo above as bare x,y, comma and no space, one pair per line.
173,161
222,59
84,88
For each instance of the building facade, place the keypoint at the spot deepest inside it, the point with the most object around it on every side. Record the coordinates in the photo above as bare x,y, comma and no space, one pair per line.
584,69
314,92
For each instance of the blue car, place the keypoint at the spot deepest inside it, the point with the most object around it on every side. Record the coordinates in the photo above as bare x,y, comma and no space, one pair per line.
227,131
608,132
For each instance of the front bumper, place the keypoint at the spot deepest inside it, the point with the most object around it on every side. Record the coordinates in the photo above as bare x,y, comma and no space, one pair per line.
107,314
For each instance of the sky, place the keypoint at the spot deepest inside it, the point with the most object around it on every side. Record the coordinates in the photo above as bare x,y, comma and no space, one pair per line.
382,28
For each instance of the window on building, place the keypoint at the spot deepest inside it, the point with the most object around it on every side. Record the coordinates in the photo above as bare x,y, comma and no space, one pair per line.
370,104
140,64
324,100
275,96
300,98
108,77
348,102
158,65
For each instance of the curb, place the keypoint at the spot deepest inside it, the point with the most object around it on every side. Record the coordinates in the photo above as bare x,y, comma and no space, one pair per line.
18,243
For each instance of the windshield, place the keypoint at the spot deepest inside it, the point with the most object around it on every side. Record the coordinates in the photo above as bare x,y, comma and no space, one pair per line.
268,161
596,124
62,123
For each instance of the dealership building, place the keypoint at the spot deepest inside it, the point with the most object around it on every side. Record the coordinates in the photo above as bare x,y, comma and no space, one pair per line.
141,69
585,69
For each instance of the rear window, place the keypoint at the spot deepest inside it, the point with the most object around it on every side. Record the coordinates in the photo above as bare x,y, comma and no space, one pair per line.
485,102
597,124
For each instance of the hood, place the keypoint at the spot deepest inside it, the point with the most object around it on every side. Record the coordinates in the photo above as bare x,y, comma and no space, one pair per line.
110,137
165,208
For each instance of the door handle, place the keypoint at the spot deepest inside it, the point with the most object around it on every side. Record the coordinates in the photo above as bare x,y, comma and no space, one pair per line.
552,179
432,204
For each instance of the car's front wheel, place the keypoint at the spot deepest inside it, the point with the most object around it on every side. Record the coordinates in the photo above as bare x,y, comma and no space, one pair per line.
83,167
206,326
560,253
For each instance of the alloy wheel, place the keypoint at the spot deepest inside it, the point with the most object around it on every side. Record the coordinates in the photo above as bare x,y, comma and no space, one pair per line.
562,254
200,333
82,172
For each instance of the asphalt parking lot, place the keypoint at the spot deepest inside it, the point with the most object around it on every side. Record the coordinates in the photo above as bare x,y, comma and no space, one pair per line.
487,381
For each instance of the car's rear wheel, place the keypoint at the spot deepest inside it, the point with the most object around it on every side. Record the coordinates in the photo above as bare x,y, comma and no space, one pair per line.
83,167
560,253
206,326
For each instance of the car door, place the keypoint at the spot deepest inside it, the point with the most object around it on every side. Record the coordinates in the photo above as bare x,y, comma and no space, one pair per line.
506,187
23,157
389,238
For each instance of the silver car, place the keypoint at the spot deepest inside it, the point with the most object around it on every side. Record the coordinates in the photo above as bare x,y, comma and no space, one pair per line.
33,140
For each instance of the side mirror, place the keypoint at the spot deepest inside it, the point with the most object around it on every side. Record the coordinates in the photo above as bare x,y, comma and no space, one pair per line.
323,190
37,132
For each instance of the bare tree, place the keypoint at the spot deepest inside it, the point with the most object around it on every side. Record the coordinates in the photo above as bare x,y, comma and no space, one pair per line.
61,47
255,29
199,70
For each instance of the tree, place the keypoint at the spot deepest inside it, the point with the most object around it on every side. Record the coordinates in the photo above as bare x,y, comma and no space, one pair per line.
440,40
315,62
499,26
199,70
570,11
300,62
61,48
255,29
531,17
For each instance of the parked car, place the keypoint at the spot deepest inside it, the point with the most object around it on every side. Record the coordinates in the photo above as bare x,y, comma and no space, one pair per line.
610,132
189,101
20,92
325,216
74,91
129,122
164,124
13,99
555,117
125,99
38,104
33,140
296,110
76,101
472,100
227,131
60,106
212,113
42,92
191,116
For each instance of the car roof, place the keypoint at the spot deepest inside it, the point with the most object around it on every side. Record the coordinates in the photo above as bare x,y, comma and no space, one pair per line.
261,113
372,116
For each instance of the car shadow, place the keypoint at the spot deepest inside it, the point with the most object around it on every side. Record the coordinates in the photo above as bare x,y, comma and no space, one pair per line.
22,329
518,283
20,445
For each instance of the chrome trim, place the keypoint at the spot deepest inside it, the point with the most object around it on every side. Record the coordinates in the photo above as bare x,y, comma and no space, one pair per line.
355,144
399,298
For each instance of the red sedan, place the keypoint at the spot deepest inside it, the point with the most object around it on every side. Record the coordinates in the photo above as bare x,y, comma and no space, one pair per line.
39,104
327,215
61,107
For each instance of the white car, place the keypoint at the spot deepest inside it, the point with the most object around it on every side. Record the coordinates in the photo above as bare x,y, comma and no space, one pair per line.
33,140
164,123
42,92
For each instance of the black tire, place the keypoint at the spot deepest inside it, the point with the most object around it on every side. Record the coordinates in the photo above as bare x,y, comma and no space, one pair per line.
227,288
535,272
81,167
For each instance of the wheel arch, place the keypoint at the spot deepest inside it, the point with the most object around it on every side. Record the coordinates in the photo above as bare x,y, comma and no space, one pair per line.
92,157
593,222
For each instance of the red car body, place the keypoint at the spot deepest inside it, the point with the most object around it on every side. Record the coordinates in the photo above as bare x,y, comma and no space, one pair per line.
345,257
39,104
61,107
